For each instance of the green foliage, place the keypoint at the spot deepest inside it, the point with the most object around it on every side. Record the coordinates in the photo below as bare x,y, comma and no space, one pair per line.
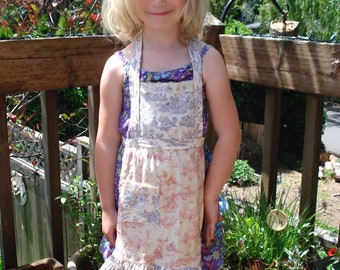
235,27
72,105
249,100
328,175
243,174
31,18
250,11
217,7
248,235
81,201
73,119
292,129
319,19
19,19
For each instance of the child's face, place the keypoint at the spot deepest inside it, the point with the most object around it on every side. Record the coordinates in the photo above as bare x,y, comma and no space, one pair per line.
160,14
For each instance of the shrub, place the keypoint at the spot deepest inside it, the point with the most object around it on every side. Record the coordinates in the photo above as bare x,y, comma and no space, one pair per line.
29,18
243,174
81,202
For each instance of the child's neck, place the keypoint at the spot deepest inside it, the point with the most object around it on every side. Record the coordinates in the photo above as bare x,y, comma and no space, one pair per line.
163,52
162,40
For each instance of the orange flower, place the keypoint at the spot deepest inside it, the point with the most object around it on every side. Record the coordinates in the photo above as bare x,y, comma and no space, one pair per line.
94,18
4,23
332,251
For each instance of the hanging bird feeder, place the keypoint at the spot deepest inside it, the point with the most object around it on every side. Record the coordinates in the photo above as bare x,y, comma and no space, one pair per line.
283,27
278,28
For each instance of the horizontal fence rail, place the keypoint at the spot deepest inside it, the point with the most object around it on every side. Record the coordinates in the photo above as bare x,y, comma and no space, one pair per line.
301,65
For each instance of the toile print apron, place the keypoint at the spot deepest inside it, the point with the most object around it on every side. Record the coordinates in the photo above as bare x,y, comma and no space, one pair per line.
160,208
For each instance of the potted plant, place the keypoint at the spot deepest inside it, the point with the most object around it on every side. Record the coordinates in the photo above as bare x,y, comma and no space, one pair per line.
253,242
80,199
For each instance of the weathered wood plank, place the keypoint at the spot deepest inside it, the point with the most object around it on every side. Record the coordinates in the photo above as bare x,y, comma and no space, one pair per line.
53,63
9,258
42,228
311,154
93,106
305,66
212,30
270,157
49,113
23,243
32,231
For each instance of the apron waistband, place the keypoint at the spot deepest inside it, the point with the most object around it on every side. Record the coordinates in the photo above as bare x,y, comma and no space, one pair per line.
163,143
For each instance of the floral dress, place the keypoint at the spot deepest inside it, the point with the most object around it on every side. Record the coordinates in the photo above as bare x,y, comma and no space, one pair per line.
160,170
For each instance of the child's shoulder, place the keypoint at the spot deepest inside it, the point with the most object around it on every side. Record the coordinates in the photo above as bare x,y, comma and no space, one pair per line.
206,50
120,57
201,44
114,64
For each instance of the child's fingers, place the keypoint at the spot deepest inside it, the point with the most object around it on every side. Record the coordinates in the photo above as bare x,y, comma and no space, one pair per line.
210,231
111,237
209,234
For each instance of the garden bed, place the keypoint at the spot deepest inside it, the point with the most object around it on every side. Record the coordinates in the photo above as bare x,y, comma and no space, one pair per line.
289,183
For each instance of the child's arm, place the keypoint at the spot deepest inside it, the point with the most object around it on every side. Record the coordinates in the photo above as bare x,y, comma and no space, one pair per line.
108,141
226,124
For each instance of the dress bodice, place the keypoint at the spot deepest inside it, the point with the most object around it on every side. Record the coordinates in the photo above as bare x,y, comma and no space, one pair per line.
181,74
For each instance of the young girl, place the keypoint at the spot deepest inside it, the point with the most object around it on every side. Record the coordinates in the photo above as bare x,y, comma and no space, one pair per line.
157,198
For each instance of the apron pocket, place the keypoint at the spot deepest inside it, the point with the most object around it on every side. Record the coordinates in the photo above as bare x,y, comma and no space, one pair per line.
139,203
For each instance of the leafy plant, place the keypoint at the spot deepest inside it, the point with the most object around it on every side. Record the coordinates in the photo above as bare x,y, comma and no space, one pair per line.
235,27
243,174
80,199
248,235
328,175
31,18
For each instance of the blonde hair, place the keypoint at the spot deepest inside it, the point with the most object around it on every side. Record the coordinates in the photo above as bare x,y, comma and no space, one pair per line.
120,18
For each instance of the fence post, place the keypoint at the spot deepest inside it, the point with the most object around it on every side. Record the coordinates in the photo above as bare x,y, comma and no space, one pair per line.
93,103
7,237
270,157
311,154
49,113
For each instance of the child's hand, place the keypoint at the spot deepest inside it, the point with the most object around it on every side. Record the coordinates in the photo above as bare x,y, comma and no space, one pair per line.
109,226
211,217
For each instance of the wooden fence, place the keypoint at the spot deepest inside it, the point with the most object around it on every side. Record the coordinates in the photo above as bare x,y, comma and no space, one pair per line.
54,63
29,199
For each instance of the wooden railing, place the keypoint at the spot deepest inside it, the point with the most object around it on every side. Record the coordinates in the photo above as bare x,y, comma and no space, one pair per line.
299,65
54,63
